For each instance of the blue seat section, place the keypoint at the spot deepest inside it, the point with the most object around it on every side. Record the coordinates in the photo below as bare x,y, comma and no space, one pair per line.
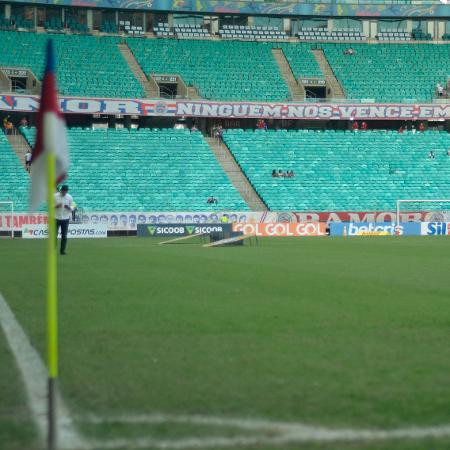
146,170
14,180
342,170
390,72
221,70
87,66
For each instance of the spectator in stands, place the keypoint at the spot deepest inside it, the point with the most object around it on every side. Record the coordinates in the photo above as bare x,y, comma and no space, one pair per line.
349,51
7,125
421,127
355,126
401,129
440,89
28,161
23,122
280,174
431,155
448,152
274,174
261,124
364,125
212,200
194,128
413,129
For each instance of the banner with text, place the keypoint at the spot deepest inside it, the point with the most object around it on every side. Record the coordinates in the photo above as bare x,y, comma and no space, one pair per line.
76,230
281,229
375,229
435,228
128,221
234,110
176,229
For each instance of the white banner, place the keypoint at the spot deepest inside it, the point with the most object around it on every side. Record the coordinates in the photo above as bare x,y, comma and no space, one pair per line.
76,230
234,110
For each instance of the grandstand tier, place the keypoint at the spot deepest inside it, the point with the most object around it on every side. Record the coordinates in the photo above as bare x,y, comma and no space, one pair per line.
342,171
145,170
14,180
88,66
93,66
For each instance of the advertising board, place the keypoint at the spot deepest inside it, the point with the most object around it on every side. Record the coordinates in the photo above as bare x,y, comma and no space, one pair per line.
128,220
281,229
375,229
76,230
177,229
435,228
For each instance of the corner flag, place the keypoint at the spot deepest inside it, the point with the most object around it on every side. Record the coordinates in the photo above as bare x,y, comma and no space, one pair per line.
50,137
50,161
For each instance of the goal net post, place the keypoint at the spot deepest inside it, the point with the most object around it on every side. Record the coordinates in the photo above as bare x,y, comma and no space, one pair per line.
7,219
436,210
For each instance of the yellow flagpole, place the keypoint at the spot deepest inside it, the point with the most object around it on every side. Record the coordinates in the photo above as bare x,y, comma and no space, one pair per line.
52,302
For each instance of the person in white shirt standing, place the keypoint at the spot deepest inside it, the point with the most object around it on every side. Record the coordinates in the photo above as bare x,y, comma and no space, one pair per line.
63,206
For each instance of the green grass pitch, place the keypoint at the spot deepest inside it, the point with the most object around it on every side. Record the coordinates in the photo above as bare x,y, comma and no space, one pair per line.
333,332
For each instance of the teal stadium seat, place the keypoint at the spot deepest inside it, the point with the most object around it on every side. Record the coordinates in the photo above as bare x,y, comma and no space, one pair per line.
342,171
14,180
146,170
87,66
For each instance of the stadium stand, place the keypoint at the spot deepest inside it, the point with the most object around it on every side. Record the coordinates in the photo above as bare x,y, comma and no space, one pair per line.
145,170
108,27
163,30
334,35
88,66
187,30
335,170
14,180
231,70
419,35
390,72
301,60
220,70
394,36
252,32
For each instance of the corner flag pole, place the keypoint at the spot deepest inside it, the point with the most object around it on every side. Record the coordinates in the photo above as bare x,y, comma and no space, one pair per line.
52,303
50,161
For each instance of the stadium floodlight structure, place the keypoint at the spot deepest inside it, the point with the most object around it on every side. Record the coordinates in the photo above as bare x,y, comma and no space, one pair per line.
401,202
10,207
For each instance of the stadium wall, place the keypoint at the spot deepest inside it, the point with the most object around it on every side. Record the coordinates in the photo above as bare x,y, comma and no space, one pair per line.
289,8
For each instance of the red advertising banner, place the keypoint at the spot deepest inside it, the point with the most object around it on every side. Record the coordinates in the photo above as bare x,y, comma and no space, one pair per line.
281,229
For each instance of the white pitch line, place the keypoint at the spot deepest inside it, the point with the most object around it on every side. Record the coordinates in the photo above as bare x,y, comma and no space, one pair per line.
276,432
34,375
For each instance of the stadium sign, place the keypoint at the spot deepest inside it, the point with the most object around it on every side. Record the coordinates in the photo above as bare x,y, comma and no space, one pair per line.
281,229
128,221
435,228
375,229
76,230
176,229
234,110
